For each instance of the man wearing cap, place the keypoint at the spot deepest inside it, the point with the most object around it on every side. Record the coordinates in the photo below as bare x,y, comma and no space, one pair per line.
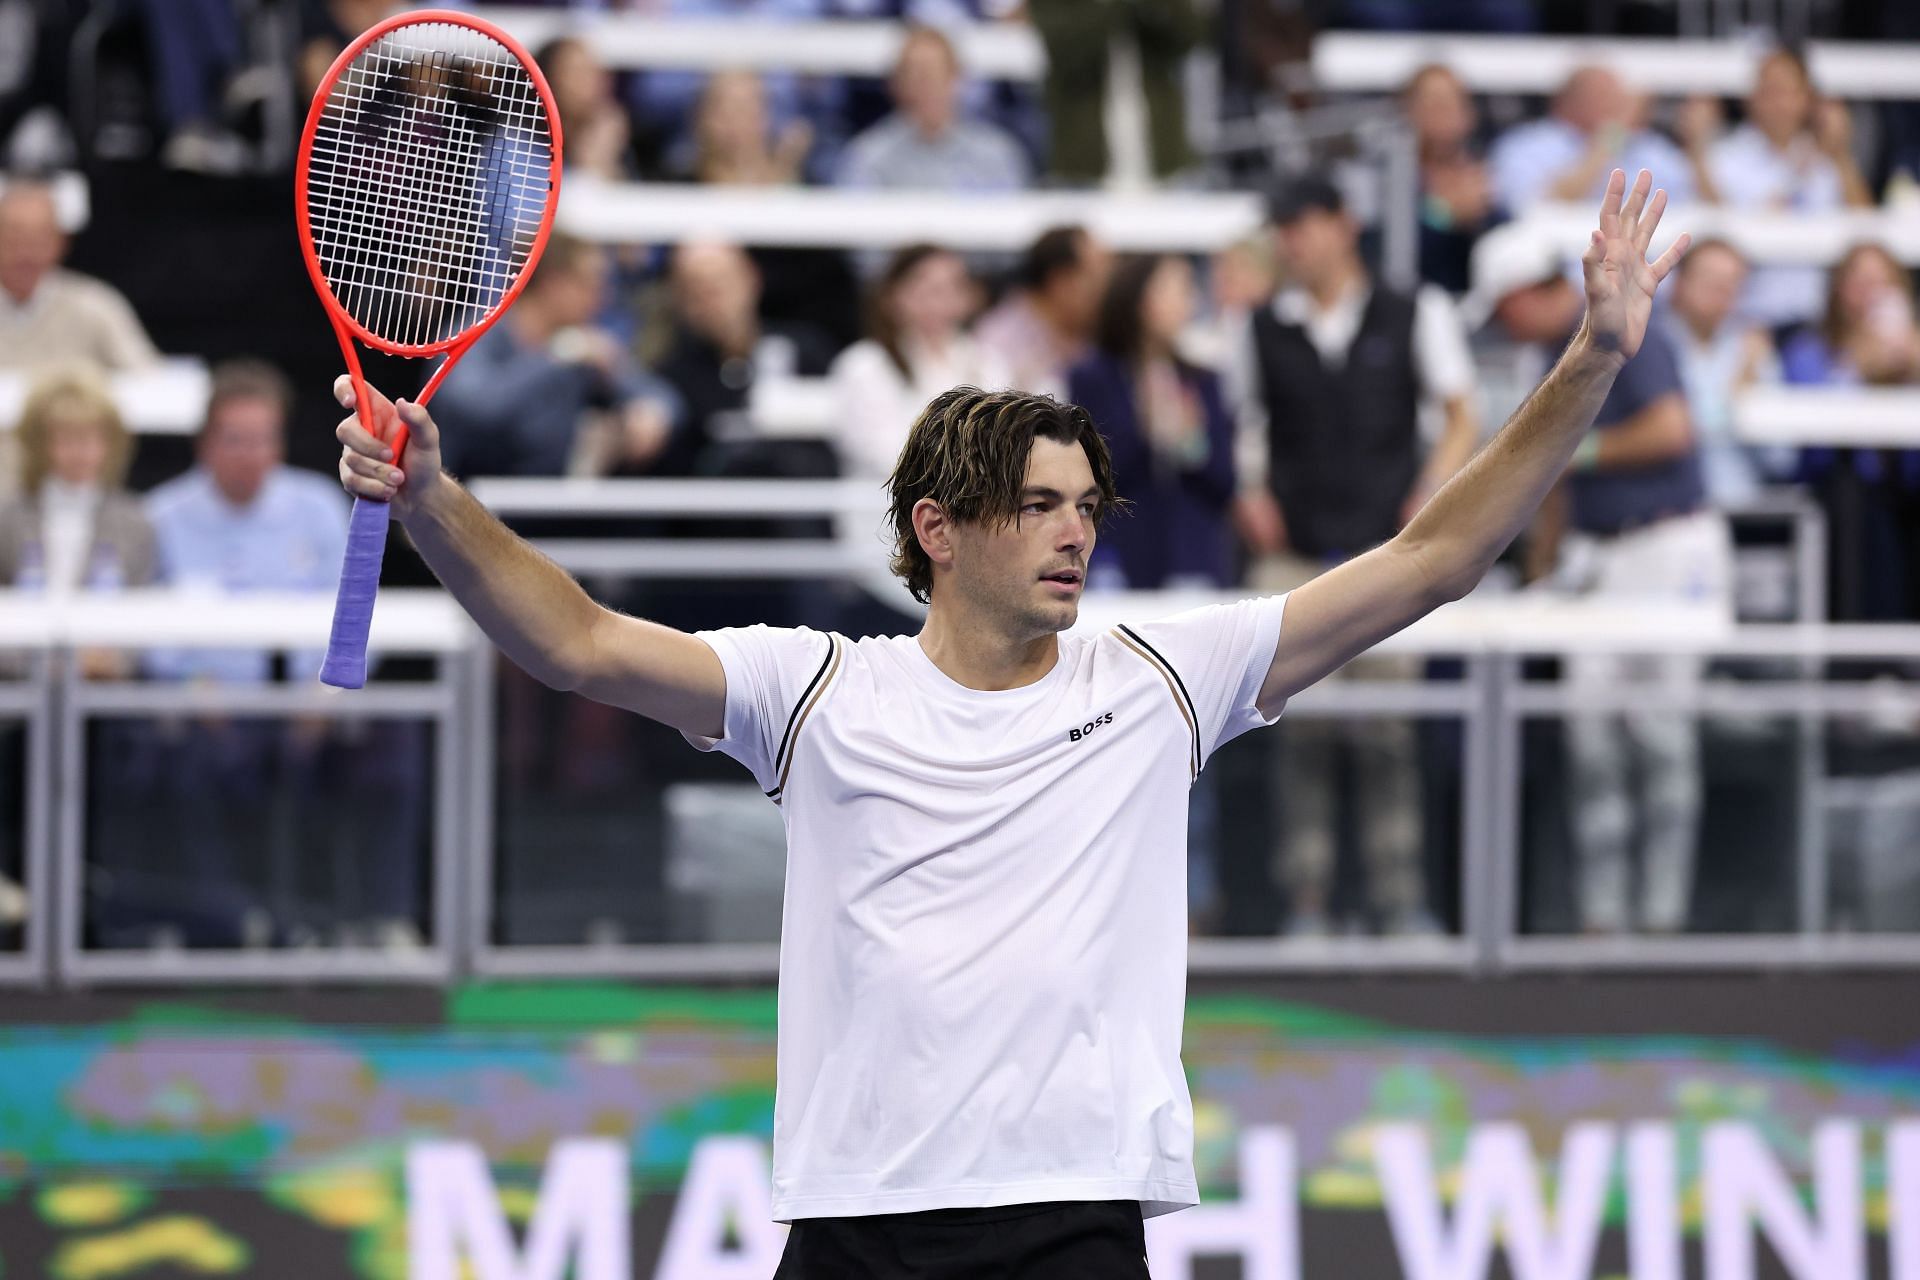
1638,530
1336,381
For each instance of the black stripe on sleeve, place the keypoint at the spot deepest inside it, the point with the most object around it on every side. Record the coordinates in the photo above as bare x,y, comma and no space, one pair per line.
786,739
1171,670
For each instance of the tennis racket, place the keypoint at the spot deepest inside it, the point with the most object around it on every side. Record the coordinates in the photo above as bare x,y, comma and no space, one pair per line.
428,174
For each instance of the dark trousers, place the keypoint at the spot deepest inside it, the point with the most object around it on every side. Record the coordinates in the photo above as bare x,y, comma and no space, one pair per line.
1066,1240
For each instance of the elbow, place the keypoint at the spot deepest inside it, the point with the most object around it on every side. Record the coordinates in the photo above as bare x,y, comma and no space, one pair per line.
1445,572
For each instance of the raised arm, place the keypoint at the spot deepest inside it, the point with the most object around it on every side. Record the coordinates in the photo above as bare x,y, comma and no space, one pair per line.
1451,543
528,606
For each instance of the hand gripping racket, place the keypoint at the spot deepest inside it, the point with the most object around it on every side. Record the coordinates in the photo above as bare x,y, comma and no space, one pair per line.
428,175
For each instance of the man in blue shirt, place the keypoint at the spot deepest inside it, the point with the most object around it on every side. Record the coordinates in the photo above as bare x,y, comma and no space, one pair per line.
1593,127
243,522
928,143
1640,531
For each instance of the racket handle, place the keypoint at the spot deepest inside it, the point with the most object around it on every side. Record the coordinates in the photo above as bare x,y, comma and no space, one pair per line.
346,664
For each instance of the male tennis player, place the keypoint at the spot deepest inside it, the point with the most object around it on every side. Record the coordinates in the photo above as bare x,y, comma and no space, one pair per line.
982,962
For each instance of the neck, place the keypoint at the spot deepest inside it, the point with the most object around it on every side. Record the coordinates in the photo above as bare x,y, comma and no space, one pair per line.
1050,315
531,324
975,656
1698,326
1779,138
930,127
1333,286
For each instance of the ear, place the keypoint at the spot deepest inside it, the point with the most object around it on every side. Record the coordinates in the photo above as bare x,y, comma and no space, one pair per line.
934,530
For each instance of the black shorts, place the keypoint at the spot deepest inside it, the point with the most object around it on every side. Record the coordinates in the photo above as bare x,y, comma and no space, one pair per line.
1061,1240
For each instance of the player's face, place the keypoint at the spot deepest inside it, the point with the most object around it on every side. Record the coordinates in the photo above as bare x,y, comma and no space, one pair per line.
1029,572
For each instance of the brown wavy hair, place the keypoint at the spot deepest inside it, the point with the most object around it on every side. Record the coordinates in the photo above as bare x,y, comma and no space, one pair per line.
83,393
968,452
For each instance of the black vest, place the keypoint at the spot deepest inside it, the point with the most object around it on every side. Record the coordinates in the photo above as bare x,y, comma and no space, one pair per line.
1343,443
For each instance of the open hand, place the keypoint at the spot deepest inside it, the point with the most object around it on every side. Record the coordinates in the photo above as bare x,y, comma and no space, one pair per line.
1620,281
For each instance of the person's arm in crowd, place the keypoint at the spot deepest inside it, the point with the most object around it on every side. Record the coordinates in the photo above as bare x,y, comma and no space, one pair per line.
1697,125
1257,517
1449,381
527,605
1456,537
1216,479
1577,179
125,339
1833,133
1659,432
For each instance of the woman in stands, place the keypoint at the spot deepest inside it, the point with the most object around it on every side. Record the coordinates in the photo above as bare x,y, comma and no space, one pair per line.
1867,336
74,527
917,346
1166,422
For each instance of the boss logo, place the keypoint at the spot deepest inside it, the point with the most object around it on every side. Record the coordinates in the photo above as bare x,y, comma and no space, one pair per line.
1074,735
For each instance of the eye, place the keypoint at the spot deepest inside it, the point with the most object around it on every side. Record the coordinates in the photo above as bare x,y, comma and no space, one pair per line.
1034,506
1088,508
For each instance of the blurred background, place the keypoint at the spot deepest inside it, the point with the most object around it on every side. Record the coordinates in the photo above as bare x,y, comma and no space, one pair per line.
1616,861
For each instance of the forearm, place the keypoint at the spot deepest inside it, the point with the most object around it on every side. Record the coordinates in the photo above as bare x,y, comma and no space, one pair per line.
1457,536
526,604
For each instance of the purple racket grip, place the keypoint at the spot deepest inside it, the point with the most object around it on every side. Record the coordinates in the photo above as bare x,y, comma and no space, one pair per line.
346,664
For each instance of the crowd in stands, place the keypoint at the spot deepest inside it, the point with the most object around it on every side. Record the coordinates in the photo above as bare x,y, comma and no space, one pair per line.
1272,410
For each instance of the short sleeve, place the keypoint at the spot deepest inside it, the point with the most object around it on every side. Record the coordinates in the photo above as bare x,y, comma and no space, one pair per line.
1219,656
1652,373
770,672
1440,346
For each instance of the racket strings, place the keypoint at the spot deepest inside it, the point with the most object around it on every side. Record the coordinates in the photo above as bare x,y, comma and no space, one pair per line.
428,180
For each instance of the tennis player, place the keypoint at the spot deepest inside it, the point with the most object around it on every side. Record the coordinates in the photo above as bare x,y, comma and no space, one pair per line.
982,962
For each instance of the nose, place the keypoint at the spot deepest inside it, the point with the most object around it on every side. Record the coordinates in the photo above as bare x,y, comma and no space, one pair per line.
1076,531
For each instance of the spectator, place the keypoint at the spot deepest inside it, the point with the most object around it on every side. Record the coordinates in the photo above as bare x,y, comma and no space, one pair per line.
927,143
196,45
733,141
665,101
545,392
1866,336
1794,153
1719,357
917,347
1594,128
1456,196
1332,382
242,522
1092,51
74,526
49,315
326,28
599,135
1640,534
721,349
1167,426
1047,323
1866,333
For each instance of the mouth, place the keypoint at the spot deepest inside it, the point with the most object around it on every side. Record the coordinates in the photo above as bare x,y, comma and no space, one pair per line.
1067,581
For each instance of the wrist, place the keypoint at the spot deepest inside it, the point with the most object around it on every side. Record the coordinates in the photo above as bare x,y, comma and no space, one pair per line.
1595,350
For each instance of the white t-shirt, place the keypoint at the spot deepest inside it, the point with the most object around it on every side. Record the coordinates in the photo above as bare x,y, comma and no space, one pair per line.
983,946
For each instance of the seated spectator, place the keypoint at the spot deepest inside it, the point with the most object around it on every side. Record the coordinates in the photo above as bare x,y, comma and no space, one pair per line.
733,141
1046,324
665,101
917,348
545,392
49,315
927,143
241,520
1867,336
1640,534
1594,127
721,348
1719,357
326,28
1867,332
599,135
1456,196
196,45
1794,153
1167,425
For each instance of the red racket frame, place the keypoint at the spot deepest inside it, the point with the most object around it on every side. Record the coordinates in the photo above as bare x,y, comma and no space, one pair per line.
345,327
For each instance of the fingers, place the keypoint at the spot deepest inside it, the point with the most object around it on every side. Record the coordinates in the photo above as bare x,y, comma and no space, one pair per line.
420,423
1636,200
1643,231
1610,203
1671,258
364,486
361,465
359,440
